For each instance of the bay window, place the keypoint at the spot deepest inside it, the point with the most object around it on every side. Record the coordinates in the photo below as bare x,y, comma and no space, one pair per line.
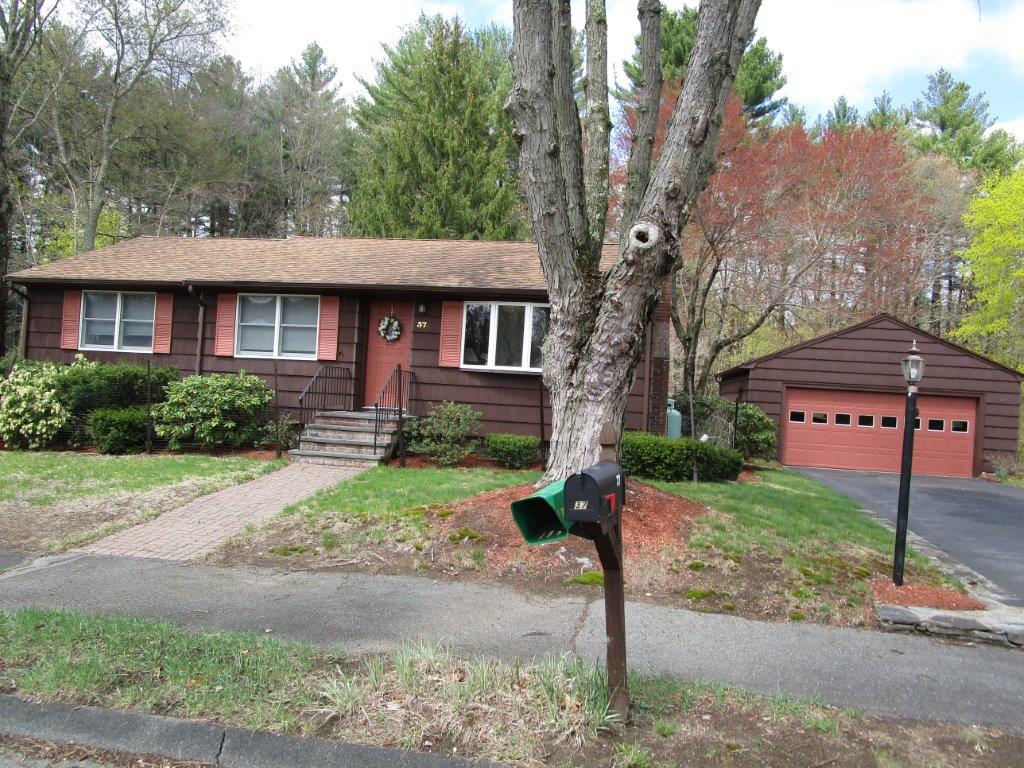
270,325
117,320
504,335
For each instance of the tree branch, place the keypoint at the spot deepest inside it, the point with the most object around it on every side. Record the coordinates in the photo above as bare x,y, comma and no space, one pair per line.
596,126
641,150
568,141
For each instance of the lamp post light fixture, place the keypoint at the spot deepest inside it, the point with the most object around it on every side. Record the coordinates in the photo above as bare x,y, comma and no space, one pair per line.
913,370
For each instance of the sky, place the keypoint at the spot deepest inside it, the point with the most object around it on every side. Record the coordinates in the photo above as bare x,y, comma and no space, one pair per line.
830,48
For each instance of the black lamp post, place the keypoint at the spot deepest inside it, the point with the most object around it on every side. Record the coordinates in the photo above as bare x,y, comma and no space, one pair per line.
913,370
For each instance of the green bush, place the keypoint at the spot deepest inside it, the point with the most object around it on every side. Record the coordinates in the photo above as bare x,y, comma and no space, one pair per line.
31,413
671,460
447,433
118,429
756,433
86,385
220,409
512,451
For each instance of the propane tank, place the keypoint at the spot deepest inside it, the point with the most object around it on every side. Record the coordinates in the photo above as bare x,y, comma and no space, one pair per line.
673,420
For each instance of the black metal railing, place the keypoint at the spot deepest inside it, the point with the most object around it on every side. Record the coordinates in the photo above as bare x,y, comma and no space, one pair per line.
332,387
392,402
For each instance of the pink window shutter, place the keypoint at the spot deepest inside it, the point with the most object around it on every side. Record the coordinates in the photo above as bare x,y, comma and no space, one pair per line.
224,333
163,323
71,319
451,334
327,343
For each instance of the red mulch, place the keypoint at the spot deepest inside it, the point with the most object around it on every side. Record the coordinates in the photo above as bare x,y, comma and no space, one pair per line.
923,597
746,476
651,520
473,460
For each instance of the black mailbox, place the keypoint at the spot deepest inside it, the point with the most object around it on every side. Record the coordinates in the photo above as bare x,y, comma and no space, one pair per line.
596,493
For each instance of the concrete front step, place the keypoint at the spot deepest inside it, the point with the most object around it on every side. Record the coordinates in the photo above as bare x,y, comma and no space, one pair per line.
350,419
334,458
345,445
338,430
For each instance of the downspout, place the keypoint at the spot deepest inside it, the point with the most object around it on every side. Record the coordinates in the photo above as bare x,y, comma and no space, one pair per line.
23,333
648,380
200,334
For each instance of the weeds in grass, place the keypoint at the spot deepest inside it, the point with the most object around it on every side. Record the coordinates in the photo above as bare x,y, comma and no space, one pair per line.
666,729
587,578
632,756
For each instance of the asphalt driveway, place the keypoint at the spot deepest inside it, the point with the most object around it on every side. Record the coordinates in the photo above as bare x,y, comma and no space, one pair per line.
979,523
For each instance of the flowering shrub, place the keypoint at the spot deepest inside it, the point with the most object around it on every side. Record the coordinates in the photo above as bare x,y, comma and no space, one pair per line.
31,414
220,409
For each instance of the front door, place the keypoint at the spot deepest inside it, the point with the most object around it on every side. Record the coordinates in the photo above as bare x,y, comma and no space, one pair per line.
383,355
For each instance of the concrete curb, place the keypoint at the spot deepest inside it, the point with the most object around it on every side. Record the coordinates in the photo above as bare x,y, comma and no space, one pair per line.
209,743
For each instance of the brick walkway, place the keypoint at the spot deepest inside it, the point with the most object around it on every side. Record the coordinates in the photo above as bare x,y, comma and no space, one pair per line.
202,524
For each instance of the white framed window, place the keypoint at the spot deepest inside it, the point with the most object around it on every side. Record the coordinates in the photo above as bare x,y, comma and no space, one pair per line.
117,320
503,336
959,425
797,417
277,325
936,425
890,422
819,417
843,420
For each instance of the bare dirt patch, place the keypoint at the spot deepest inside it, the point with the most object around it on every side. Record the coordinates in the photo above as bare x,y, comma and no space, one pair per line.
923,596
60,755
32,530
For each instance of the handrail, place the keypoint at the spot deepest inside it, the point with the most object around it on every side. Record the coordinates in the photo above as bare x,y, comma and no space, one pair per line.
330,385
393,398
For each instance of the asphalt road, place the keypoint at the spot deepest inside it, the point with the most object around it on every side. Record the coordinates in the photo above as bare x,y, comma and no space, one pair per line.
979,523
882,673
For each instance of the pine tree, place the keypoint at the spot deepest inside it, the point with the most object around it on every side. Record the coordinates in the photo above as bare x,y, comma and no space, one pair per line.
758,79
438,158
952,122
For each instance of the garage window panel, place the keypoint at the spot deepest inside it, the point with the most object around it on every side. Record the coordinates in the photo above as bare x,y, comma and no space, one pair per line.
917,423
936,425
865,420
959,425
797,417
819,417
890,422
843,420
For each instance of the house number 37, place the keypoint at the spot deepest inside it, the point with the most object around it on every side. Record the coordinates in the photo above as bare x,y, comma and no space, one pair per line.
421,323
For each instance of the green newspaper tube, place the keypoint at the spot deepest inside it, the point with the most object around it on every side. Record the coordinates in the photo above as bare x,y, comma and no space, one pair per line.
540,517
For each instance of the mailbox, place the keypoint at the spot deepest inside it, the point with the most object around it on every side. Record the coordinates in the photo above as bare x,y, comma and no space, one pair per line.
595,494
540,518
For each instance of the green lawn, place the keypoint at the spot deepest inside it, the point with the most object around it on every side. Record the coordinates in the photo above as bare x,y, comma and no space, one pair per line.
386,504
54,501
785,507
545,711
43,478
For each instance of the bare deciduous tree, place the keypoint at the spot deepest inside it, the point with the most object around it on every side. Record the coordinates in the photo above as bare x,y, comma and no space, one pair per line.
599,318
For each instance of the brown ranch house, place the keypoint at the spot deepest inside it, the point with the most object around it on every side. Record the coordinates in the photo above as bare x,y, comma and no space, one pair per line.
839,401
327,322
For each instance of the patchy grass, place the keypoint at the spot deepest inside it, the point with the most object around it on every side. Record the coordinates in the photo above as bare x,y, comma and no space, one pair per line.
54,501
551,711
42,479
383,508
789,547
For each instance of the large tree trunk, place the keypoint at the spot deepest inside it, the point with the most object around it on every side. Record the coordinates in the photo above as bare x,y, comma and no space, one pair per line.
598,321
6,210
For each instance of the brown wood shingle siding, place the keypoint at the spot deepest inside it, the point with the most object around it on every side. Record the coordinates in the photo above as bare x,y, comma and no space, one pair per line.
508,401
867,358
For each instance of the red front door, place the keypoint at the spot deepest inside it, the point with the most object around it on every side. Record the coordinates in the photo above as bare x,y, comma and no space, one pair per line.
864,430
382,356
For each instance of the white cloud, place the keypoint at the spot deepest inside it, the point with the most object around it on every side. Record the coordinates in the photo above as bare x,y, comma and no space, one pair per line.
830,47
1014,127
268,34
845,47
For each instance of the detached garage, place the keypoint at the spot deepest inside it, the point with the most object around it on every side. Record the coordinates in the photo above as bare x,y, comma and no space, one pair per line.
839,401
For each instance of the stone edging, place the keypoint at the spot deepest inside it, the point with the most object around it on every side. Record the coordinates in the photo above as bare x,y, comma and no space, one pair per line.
209,743
999,623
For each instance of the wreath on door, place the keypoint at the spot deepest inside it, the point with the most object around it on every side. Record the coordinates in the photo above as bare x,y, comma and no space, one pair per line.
389,328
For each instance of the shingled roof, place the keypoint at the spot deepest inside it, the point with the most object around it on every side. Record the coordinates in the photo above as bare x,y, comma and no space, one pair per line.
341,262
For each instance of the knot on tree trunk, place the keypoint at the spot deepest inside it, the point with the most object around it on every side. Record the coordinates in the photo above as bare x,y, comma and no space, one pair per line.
644,235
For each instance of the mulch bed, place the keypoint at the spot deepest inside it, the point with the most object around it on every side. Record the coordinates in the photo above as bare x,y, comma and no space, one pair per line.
921,596
651,521
471,461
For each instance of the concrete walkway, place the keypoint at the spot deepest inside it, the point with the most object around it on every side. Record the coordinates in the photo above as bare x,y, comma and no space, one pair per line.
201,525
874,671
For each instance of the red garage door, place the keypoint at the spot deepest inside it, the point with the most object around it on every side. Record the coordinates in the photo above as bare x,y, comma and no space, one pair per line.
864,430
